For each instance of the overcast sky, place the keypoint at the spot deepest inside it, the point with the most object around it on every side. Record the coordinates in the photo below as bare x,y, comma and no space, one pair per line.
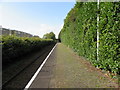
36,18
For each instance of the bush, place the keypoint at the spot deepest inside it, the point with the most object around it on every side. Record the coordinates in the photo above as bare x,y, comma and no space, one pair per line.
109,49
80,33
14,47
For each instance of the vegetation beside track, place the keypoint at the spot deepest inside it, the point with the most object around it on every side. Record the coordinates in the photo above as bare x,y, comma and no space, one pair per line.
14,47
80,33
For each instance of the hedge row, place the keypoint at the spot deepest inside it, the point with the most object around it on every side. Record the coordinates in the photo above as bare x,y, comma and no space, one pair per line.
14,47
109,26
80,33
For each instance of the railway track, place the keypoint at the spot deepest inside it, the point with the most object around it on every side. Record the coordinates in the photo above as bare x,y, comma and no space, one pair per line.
21,78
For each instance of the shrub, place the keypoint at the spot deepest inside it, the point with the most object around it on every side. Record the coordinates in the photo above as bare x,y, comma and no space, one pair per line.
14,47
80,33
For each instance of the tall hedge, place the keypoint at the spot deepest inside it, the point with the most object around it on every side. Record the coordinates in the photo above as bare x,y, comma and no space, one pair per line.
109,26
80,33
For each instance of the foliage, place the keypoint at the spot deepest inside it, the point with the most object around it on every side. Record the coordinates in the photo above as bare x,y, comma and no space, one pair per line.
50,35
109,25
14,47
80,33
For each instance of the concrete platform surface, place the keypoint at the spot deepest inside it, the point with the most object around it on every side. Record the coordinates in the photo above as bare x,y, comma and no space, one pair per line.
65,69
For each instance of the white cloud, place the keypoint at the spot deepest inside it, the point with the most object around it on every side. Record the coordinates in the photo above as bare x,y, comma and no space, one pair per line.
42,29
17,21
39,30
0,14
25,25
38,0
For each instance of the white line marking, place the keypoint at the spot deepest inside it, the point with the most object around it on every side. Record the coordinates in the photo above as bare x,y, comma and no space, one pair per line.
35,75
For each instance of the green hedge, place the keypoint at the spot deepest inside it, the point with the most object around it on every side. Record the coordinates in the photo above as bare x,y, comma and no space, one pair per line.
109,25
14,47
80,33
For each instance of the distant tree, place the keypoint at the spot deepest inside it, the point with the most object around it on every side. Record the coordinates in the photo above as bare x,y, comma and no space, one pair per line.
36,36
50,35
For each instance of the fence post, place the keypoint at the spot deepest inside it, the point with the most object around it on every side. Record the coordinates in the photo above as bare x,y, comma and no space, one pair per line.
98,7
